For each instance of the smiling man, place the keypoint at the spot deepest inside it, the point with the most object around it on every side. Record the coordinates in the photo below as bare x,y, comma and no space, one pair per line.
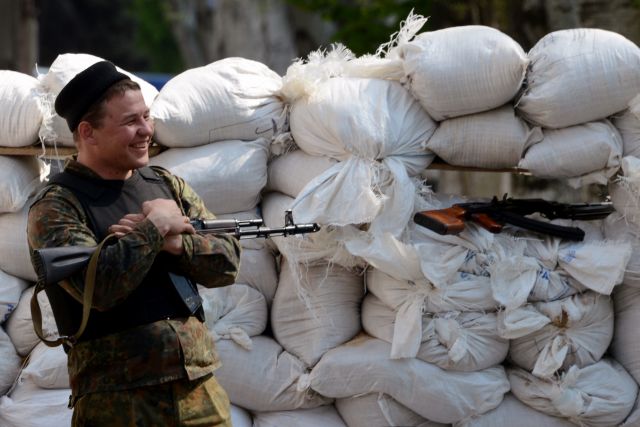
145,356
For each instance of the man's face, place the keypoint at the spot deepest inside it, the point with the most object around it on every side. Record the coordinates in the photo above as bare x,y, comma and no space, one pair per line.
122,140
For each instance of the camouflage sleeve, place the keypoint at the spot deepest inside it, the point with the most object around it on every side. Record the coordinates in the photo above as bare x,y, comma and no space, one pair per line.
57,219
210,260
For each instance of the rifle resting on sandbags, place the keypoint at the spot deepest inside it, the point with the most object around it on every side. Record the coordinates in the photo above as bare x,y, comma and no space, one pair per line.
55,264
494,214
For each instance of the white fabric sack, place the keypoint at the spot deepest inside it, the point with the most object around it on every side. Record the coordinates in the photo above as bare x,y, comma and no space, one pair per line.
258,269
20,111
10,362
47,367
617,229
363,366
322,247
625,347
240,417
264,378
624,190
228,175
20,177
628,124
463,70
578,332
376,129
316,308
11,288
235,312
19,326
588,153
14,248
291,172
579,75
510,410
233,98
54,129
322,416
453,341
599,395
379,410
491,139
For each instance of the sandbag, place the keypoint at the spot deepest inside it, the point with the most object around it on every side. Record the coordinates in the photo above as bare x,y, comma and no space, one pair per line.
363,366
492,139
617,229
597,79
20,177
455,341
47,367
315,309
624,190
463,70
588,153
322,416
378,410
14,248
54,129
628,124
264,378
11,288
228,175
20,110
10,362
232,98
625,347
19,326
291,172
240,417
602,394
258,269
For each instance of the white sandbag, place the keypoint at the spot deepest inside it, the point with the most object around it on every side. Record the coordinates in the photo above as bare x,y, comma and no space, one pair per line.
601,394
363,366
240,417
322,247
31,406
19,326
624,190
578,332
19,178
291,172
233,98
54,129
617,229
453,341
11,288
628,124
463,70
47,367
378,410
492,139
588,153
235,312
20,111
228,175
376,129
510,410
625,347
579,75
322,416
315,309
14,248
264,378
10,362
258,270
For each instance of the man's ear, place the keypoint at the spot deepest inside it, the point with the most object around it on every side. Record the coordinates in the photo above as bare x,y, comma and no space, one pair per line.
85,131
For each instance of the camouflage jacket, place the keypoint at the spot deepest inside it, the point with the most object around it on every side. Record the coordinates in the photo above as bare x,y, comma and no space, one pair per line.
150,354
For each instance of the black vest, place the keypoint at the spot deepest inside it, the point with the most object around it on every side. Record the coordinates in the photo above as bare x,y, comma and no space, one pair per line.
105,203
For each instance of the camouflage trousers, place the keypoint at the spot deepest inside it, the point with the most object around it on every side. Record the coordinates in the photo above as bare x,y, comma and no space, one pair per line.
200,403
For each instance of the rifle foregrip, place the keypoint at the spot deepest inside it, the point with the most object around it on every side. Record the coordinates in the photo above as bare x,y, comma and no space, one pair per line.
442,221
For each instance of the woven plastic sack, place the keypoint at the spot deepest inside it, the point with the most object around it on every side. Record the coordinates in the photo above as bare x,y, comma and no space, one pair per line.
20,110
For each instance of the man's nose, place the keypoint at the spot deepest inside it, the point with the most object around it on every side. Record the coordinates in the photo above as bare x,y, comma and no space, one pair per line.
146,127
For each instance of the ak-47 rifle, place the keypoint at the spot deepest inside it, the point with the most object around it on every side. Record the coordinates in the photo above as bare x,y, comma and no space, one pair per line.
494,214
55,264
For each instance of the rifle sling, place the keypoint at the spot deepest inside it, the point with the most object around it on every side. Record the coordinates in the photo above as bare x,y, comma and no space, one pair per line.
87,298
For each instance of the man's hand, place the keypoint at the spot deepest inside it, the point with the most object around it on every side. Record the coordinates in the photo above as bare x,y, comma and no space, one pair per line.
167,217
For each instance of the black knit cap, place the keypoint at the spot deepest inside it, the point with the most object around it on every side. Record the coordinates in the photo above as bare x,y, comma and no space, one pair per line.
85,89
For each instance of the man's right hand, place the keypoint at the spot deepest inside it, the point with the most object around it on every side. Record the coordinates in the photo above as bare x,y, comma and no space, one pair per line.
167,217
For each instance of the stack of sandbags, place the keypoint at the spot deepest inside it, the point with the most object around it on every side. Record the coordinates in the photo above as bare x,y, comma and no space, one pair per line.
54,129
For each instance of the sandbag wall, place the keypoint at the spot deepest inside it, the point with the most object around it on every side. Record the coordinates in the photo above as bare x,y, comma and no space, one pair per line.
374,321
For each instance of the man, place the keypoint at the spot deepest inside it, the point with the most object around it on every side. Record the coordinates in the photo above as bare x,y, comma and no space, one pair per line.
145,357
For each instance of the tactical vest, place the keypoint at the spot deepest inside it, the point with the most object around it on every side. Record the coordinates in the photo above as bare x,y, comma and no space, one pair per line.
158,297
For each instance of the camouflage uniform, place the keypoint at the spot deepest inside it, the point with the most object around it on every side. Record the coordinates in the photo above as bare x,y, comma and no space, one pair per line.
144,359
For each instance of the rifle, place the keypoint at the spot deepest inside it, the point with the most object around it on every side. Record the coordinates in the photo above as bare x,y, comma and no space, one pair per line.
494,214
57,263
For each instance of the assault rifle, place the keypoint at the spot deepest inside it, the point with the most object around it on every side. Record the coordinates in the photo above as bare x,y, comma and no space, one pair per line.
55,264
494,214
